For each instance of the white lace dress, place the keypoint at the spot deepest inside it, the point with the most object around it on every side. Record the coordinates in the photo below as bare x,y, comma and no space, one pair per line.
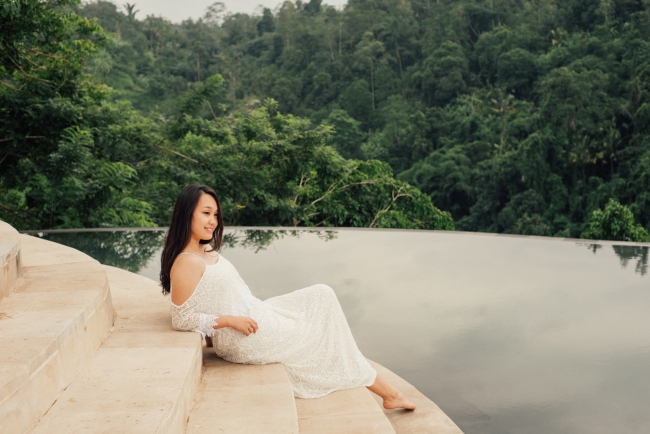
304,330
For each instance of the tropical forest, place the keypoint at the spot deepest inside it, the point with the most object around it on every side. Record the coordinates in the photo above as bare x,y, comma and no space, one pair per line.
523,117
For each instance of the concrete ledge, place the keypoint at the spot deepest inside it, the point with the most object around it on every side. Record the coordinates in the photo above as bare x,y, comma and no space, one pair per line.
235,398
142,379
51,324
38,252
145,377
351,411
427,418
10,267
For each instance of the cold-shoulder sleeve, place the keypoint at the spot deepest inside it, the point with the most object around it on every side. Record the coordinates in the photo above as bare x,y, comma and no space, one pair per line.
187,318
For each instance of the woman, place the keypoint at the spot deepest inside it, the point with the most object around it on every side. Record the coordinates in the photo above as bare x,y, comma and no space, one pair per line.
304,330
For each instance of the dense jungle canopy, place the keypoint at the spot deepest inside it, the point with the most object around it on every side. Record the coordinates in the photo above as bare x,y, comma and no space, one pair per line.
510,116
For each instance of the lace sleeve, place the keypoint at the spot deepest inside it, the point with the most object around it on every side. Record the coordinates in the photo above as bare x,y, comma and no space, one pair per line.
189,320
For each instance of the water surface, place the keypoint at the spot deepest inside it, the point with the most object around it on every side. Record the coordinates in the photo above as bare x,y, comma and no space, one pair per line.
506,334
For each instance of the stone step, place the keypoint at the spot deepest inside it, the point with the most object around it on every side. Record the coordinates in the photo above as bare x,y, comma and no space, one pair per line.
51,323
10,267
427,418
235,398
144,376
350,411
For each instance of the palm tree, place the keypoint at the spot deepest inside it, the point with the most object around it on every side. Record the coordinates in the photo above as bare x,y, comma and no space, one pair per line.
129,11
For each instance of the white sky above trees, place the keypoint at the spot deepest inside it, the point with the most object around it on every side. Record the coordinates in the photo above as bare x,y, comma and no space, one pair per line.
179,10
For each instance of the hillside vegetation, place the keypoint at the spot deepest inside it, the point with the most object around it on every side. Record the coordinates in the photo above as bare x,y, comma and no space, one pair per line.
74,153
513,116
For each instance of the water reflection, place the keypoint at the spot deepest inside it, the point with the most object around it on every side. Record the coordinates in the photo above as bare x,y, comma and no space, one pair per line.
134,249
260,239
127,249
626,254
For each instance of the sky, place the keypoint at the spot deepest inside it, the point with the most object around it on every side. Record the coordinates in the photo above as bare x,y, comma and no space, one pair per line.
179,10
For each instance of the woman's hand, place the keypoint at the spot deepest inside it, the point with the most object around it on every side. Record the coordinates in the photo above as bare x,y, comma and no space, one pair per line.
242,324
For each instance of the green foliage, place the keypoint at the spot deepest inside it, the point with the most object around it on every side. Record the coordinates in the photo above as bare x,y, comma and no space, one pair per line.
615,222
444,72
266,24
515,117
39,42
66,161
75,155
347,137
272,169
357,101
191,101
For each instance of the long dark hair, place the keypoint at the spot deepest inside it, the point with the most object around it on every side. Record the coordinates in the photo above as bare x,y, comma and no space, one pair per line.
180,229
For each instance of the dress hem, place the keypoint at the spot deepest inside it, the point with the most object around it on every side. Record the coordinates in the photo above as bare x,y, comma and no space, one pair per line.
374,378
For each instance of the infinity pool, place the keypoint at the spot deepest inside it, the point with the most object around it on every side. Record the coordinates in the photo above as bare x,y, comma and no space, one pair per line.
506,334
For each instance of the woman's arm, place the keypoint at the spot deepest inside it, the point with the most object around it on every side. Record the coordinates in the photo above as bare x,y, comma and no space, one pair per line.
242,324
206,324
185,276
191,321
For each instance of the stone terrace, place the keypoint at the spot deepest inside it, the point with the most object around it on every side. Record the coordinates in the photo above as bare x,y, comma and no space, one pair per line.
87,348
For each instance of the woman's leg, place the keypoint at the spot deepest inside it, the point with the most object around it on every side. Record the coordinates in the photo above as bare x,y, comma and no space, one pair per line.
392,397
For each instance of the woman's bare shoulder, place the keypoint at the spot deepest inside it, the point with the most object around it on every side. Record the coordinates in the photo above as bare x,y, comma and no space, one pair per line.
185,274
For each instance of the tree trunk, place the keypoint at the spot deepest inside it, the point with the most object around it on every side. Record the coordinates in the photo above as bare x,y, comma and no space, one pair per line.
340,43
399,61
329,41
372,84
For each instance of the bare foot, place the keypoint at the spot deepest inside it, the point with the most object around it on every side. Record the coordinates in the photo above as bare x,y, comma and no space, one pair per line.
398,400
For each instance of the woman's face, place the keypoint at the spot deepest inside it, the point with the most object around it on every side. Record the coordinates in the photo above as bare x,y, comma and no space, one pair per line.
204,219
